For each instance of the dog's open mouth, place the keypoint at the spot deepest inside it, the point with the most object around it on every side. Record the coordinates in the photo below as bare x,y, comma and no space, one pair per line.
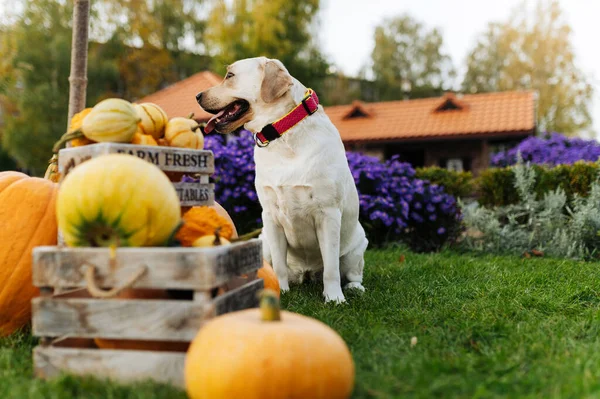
230,113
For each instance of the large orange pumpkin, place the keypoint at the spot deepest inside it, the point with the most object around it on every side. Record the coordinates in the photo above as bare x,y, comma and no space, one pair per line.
27,220
268,353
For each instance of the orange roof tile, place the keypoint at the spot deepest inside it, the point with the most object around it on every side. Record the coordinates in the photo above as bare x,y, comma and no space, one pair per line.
179,99
501,112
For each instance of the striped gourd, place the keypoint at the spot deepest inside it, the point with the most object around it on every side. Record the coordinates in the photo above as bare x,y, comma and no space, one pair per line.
154,119
184,133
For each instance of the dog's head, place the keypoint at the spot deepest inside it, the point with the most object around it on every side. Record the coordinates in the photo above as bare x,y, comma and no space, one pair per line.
253,86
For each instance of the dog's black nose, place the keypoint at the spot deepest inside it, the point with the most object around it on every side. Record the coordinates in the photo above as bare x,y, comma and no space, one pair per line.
199,97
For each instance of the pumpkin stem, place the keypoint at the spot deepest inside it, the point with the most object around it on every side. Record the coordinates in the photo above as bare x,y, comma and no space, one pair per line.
248,236
190,116
269,305
68,136
217,240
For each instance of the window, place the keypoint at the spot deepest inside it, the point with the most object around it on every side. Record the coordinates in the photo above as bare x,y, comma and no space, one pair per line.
455,164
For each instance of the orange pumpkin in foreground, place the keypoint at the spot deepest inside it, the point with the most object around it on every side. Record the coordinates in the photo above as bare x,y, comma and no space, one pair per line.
27,220
268,353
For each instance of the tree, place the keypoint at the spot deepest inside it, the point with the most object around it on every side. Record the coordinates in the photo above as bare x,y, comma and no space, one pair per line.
35,65
273,28
407,60
534,52
36,88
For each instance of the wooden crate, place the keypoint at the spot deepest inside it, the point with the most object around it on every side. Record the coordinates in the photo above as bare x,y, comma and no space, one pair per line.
173,161
67,321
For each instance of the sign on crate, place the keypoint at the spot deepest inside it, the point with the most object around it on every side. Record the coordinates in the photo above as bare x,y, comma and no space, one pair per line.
168,159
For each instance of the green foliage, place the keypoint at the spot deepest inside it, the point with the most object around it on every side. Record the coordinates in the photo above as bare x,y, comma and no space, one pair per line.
273,28
496,186
547,223
534,51
457,184
407,60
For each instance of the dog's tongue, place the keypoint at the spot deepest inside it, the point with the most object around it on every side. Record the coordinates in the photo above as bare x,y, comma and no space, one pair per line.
210,125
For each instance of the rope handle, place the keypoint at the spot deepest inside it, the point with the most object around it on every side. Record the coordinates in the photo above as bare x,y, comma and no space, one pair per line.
98,292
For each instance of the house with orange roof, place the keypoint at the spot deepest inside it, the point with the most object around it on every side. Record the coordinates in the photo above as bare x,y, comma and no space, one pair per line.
457,132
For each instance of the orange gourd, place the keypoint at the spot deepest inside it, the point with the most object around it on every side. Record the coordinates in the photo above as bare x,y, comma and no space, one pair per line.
269,277
268,353
27,220
76,122
223,213
143,139
200,221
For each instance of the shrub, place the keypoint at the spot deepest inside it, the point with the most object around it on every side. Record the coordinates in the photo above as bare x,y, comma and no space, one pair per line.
548,224
6,162
457,184
496,186
394,204
554,149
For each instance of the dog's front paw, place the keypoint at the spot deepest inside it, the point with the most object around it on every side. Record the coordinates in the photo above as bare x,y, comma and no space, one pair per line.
355,285
284,285
336,296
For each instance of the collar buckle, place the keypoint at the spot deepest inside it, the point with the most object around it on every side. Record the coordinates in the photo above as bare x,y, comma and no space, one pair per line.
260,143
307,97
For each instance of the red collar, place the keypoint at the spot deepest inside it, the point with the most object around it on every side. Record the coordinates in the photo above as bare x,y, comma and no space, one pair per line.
307,107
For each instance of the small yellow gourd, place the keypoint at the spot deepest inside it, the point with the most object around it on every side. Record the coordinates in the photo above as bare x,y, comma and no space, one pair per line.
111,120
184,133
213,240
154,119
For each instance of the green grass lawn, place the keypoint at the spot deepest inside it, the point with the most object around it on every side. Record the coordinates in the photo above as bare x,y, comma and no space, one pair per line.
485,327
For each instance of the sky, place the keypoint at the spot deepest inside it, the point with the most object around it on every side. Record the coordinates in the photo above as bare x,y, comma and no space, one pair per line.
347,28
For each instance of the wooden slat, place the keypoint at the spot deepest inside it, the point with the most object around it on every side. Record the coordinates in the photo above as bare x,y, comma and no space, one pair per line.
166,158
243,297
172,268
160,320
117,365
195,194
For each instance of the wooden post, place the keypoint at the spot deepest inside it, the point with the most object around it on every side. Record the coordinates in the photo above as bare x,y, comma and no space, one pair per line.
79,50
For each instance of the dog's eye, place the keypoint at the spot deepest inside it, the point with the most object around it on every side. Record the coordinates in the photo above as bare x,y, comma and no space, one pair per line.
229,75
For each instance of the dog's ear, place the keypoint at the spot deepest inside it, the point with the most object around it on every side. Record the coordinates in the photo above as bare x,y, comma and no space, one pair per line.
276,82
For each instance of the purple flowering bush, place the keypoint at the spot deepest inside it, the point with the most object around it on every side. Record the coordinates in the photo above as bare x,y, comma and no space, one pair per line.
394,204
553,150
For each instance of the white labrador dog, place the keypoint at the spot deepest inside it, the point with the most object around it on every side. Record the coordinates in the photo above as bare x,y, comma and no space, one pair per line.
304,184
